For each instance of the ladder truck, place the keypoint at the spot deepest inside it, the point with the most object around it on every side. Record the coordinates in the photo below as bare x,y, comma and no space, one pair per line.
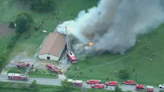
17,76
69,54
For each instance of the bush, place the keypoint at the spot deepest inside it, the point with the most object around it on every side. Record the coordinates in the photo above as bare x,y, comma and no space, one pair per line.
66,86
123,74
11,25
13,40
34,84
117,89
42,5
2,58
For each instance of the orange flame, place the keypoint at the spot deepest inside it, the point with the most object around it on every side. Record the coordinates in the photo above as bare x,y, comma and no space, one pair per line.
90,44
90,36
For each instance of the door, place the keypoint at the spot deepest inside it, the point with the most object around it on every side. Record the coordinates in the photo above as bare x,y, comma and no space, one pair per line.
48,58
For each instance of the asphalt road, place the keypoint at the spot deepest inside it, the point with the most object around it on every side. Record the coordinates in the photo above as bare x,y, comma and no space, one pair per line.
57,82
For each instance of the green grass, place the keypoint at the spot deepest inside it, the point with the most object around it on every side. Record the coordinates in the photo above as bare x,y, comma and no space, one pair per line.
17,87
39,73
4,40
11,8
150,73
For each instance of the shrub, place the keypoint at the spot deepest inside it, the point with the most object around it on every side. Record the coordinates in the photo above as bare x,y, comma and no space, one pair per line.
117,89
123,74
11,25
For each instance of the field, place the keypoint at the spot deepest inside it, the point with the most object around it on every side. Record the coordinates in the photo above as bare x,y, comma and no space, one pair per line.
148,46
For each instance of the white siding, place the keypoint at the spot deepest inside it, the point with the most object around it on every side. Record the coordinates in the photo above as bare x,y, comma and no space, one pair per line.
44,56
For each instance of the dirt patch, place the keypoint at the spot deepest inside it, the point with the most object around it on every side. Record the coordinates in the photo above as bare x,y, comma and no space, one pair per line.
17,59
5,30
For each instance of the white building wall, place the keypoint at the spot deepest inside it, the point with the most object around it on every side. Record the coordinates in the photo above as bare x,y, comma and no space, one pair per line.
44,56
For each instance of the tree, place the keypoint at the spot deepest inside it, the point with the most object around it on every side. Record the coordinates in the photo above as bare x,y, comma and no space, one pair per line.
11,25
123,74
34,84
67,86
23,22
117,89
42,5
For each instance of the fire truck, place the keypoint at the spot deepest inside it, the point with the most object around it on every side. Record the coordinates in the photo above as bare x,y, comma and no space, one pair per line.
93,81
76,83
71,57
97,85
149,88
112,83
52,68
139,87
23,65
17,76
129,82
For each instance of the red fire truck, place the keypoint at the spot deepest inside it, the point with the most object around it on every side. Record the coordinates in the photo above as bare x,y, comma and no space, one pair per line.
23,65
112,83
139,87
93,81
149,88
17,76
52,68
71,57
97,85
129,82
76,83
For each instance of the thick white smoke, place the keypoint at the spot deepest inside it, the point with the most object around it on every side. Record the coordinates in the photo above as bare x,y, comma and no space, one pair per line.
114,24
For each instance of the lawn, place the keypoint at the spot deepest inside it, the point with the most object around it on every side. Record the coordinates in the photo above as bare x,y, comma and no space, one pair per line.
137,57
9,9
4,41
38,73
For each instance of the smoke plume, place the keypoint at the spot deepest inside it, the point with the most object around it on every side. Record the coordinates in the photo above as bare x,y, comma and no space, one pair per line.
114,24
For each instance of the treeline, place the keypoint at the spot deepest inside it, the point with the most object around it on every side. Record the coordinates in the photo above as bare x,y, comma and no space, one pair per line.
40,5
21,24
